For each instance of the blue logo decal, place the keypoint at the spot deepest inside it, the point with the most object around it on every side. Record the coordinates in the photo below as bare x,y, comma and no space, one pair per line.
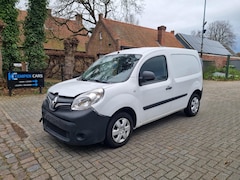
35,82
15,76
12,76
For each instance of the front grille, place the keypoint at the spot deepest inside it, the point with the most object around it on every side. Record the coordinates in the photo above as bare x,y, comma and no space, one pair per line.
59,102
56,129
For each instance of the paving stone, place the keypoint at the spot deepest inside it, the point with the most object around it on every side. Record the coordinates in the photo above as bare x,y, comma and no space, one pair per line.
234,176
171,174
222,176
33,168
184,175
9,155
9,177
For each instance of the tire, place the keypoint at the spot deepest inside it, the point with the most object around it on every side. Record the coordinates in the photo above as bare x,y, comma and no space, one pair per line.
193,105
119,130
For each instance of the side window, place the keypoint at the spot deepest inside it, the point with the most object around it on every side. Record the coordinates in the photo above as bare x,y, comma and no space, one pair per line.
157,66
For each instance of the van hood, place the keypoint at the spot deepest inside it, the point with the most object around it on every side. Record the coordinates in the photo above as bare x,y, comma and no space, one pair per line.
74,87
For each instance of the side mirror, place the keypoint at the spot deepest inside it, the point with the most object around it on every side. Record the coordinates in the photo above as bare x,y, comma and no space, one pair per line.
146,76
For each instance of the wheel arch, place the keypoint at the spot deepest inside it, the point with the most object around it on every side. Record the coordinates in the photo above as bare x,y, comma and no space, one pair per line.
130,111
192,109
198,92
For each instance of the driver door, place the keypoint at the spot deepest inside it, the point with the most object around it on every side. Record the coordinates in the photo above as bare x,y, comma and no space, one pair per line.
155,94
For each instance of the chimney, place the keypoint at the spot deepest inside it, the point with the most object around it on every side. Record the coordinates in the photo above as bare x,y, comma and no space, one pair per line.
118,45
79,19
161,31
100,16
173,32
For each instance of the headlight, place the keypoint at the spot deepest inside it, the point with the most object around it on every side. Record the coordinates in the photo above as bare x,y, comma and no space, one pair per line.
85,100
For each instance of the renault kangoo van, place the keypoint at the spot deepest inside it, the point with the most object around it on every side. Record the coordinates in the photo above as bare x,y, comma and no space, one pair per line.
122,91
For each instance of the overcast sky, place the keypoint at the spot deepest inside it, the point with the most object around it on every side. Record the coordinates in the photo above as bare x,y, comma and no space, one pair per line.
184,16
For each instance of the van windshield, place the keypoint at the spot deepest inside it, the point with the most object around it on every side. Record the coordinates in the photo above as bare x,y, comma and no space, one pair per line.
111,68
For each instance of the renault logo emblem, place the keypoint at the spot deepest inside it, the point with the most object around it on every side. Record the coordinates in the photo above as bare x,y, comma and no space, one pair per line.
54,102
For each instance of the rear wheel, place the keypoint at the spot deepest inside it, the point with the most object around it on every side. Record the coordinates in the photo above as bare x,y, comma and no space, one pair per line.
193,105
119,130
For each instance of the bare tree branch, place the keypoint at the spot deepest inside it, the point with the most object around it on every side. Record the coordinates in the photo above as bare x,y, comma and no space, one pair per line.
82,31
221,31
122,10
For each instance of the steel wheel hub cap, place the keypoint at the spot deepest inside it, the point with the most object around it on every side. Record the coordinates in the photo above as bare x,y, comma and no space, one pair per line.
194,105
121,130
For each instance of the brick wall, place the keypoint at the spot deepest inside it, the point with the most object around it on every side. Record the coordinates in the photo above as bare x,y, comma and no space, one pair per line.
218,61
56,62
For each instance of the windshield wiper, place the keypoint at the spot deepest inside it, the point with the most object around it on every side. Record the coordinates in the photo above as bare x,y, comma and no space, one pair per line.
83,79
99,81
94,80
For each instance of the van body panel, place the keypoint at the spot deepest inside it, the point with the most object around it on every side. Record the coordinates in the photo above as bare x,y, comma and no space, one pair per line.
185,85
119,98
154,100
74,87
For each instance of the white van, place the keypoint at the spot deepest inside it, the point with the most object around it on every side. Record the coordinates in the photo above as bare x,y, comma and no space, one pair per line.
121,92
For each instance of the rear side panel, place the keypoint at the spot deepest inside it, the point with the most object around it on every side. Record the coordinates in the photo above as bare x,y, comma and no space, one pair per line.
187,76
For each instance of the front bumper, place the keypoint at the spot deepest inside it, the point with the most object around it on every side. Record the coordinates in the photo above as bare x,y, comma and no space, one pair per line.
74,127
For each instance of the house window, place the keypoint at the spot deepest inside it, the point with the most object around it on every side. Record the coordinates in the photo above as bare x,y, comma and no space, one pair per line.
100,55
100,36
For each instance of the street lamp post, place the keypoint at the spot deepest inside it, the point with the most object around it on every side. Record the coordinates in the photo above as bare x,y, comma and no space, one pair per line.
203,29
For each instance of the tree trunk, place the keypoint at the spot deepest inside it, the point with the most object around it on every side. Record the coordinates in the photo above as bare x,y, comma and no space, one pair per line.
70,47
1,28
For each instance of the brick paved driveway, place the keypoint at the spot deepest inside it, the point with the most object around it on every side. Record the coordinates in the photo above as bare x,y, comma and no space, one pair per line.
203,147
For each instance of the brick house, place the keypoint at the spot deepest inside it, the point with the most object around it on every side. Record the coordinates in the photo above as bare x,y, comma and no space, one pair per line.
110,35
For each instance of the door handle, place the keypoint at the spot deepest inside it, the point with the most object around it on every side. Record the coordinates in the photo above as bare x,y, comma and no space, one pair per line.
168,88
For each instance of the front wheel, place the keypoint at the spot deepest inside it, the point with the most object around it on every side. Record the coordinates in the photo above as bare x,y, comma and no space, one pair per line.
119,130
193,105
